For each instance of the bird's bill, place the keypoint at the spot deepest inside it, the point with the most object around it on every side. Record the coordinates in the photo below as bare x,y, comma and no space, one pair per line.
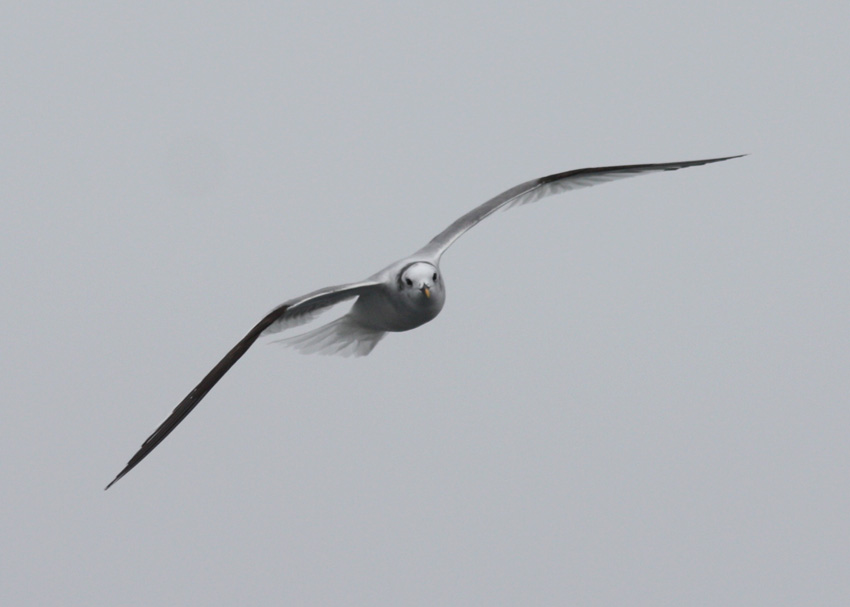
427,292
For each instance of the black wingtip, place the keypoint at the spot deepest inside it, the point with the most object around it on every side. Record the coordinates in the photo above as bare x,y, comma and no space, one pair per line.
675,166
197,394
116,479
720,159
710,160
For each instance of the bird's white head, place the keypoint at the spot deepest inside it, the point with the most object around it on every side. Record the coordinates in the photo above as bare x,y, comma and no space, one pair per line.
422,284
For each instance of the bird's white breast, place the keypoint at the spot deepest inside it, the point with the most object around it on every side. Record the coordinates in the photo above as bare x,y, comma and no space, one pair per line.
388,310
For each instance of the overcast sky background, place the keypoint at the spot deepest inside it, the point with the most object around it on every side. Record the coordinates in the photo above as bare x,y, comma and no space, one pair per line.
636,394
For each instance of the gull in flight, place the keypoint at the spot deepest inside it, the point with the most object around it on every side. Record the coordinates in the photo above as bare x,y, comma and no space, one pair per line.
402,296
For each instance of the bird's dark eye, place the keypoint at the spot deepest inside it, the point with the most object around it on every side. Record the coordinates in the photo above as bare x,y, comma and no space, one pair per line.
434,276
409,282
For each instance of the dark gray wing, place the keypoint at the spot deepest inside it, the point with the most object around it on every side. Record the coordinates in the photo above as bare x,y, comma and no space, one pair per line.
534,190
294,310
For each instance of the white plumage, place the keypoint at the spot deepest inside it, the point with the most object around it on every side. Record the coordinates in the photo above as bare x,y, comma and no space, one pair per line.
402,296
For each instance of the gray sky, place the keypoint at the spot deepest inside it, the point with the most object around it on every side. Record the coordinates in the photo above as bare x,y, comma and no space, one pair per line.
635,395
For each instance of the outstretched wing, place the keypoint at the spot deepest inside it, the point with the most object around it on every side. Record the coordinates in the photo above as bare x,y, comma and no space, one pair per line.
534,190
290,313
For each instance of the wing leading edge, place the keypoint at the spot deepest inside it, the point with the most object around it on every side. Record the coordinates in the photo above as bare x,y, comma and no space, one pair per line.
287,314
534,190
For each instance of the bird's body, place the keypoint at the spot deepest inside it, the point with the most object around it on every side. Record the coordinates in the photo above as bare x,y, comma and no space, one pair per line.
403,296
386,310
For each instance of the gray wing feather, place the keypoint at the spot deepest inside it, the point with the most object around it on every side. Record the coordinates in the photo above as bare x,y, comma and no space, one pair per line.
294,310
304,309
534,190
